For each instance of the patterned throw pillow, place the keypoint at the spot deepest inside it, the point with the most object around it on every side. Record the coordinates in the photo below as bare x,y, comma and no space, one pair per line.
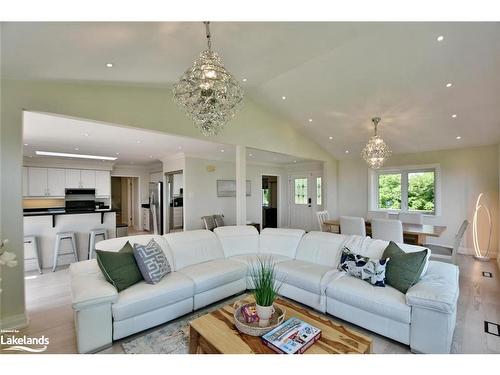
152,262
364,268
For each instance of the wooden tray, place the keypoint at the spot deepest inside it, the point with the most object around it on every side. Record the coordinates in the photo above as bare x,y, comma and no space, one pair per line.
253,328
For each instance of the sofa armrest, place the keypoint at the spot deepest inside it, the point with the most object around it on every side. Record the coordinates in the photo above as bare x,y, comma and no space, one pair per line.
88,285
437,290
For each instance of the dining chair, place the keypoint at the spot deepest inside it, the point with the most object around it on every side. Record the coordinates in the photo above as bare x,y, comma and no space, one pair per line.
351,225
387,230
411,217
209,222
377,215
448,254
322,216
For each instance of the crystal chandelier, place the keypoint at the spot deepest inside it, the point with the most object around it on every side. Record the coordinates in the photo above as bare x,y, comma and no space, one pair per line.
376,150
207,92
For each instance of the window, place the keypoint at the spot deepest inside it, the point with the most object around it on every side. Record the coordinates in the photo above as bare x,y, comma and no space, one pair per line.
318,191
300,192
405,189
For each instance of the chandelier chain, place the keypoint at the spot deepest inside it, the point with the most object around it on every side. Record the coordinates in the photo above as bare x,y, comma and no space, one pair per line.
209,40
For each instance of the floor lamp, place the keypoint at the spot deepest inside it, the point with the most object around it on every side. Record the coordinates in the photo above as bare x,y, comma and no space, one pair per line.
480,255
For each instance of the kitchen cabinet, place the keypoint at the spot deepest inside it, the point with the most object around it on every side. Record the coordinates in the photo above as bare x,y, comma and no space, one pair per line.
177,185
87,178
37,182
102,183
145,219
72,178
56,182
178,217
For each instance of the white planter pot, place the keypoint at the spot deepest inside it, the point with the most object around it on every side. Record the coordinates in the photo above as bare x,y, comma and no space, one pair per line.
264,313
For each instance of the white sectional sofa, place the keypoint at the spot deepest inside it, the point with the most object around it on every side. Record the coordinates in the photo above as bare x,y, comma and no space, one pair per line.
208,267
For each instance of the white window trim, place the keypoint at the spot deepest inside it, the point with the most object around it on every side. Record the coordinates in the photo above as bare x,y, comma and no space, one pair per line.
373,187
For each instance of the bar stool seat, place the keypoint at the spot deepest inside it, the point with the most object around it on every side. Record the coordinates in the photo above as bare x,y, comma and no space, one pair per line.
31,251
64,236
92,239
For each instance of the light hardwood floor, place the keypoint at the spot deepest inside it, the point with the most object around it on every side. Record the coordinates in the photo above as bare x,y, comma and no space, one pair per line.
48,302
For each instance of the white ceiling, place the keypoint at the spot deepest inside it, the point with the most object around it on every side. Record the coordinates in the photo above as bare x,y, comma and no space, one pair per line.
338,74
47,132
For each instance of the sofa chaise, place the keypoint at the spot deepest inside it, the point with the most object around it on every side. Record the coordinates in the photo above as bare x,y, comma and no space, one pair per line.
210,266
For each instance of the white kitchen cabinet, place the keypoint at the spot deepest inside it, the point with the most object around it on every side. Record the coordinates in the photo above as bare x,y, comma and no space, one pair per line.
72,178
37,182
102,183
178,217
87,178
177,185
145,219
25,181
56,182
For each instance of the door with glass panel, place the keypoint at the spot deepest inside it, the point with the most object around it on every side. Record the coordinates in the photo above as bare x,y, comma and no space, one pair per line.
306,197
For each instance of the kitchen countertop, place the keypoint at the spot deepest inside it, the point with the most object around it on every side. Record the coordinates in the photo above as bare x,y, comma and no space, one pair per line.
62,211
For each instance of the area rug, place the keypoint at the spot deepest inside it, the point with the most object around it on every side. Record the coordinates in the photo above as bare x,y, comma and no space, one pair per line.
172,337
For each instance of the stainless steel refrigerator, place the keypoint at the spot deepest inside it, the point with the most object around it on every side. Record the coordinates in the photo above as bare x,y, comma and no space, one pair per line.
156,206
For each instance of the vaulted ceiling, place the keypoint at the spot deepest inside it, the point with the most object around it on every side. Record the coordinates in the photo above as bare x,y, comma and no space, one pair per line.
335,76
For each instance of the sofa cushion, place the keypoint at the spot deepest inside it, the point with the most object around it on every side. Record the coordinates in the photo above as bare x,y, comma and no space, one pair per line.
142,297
279,241
238,239
115,244
305,275
250,259
404,269
215,273
387,302
151,261
193,247
321,248
119,267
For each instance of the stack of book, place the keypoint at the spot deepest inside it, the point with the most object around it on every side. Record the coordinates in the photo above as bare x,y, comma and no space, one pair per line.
292,337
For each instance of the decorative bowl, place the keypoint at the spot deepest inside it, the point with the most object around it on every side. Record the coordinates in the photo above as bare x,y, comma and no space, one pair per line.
253,328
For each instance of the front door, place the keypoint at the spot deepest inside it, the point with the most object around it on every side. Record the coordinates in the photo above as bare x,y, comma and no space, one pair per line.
306,197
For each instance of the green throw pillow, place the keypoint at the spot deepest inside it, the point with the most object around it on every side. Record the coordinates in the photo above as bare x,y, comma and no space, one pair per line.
404,269
119,268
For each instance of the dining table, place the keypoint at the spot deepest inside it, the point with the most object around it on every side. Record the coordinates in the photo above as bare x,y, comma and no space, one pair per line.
415,234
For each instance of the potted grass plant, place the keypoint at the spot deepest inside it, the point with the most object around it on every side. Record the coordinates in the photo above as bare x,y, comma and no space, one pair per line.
266,286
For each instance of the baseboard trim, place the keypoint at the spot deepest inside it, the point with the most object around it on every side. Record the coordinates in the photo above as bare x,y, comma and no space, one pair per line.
18,321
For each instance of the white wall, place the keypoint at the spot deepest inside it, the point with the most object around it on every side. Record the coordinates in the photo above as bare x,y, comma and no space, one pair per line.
200,191
464,174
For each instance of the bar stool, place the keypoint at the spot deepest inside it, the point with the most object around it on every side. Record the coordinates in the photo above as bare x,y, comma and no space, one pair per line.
64,236
92,239
31,251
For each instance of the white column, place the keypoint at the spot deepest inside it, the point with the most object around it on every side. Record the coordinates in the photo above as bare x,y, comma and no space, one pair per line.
241,176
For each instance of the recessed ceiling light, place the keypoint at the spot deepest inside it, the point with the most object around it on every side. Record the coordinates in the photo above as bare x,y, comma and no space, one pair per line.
454,115
459,137
138,141
346,151
78,156
26,144
77,149
109,65
117,153
310,120
283,97
330,138
86,134
449,84
222,150
440,38
244,79
250,155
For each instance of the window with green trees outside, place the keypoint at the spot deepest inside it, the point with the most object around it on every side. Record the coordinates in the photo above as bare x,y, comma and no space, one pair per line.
407,190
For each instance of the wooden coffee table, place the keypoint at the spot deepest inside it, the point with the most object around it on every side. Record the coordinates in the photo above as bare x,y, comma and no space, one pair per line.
215,333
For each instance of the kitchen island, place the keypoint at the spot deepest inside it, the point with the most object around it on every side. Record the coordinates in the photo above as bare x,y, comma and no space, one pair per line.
46,223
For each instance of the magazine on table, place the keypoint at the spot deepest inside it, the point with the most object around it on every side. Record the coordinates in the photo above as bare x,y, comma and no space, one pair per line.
292,337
